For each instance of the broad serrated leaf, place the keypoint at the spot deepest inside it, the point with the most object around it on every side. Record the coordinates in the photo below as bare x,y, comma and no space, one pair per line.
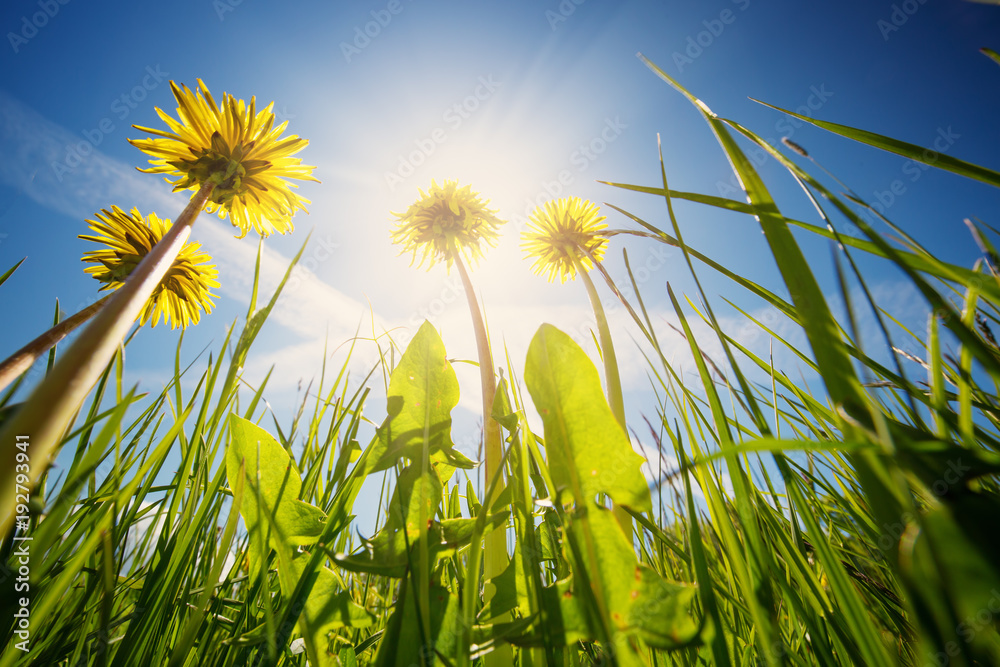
386,552
624,583
423,390
272,483
588,451
407,643
328,607
661,610
271,505
503,412
511,590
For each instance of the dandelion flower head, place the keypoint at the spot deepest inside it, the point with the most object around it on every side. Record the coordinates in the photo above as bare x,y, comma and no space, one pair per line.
236,148
127,238
561,233
446,220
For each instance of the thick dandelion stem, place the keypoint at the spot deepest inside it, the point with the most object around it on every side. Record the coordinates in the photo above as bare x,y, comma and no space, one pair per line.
611,375
22,360
491,429
52,406
495,555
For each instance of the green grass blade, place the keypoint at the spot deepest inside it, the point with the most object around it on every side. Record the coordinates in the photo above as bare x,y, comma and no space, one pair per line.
910,151
7,274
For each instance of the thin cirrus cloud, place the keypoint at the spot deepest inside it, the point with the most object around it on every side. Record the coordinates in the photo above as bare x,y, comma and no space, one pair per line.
30,145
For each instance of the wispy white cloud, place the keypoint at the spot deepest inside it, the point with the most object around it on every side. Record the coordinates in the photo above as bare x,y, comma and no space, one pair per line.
34,150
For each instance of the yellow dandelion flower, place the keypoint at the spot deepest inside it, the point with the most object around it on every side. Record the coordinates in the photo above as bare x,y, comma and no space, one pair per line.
128,238
238,150
444,221
561,233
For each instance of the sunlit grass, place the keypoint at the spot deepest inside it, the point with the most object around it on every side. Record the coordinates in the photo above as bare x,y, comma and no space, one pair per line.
853,523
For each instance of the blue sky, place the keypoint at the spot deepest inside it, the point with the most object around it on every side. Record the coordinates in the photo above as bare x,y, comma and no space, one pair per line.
505,96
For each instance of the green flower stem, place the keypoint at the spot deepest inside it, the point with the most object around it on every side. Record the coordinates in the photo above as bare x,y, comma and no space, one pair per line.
491,429
22,360
495,557
52,406
611,374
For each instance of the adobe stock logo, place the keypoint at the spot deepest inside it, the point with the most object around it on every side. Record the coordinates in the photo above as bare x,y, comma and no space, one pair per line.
453,116
121,107
566,9
697,43
913,169
38,20
585,155
818,96
898,17
223,7
363,35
